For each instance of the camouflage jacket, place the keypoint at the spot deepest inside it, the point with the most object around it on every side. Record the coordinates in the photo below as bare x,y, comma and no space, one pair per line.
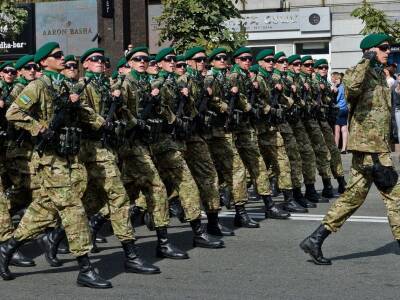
263,101
370,108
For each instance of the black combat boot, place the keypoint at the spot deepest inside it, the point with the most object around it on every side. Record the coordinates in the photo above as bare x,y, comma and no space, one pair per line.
49,244
312,245
165,249
7,249
136,216
176,209
300,199
88,276
100,239
225,197
290,204
272,211
342,184
311,194
274,186
252,193
214,227
95,224
20,260
63,247
134,263
242,219
149,221
202,239
327,192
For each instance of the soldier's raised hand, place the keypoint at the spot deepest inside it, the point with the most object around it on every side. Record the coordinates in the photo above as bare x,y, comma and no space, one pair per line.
116,93
74,98
185,92
279,87
235,90
155,92
209,91
255,84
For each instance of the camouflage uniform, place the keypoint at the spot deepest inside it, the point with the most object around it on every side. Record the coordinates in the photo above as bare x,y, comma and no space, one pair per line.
230,168
244,135
169,152
287,132
369,99
63,179
139,173
315,134
327,97
104,179
303,141
197,155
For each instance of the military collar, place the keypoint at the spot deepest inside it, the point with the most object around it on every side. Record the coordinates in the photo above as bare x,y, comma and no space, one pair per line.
320,78
264,72
22,80
305,75
164,74
193,72
94,75
291,74
138,76
277,72
237,69
55,77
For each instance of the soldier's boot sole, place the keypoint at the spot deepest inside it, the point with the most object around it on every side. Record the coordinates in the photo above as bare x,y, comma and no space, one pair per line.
322,261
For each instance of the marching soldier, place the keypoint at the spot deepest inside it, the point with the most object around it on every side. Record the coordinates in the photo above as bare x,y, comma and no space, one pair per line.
368,95
62,177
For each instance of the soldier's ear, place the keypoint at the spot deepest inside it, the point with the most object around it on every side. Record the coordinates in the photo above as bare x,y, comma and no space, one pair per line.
43,63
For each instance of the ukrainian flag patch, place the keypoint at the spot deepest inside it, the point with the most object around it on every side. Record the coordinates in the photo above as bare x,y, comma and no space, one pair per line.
25,99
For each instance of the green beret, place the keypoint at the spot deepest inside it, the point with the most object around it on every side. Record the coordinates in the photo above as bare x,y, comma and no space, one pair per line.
192,51
121,62
8,63
114,74
90,52
305,58
254,68
373,40
241,50
279,54
137,49
215,52
180,57
264,53
70,57
292,58
320,62
163,53
152,57
23,61
45,50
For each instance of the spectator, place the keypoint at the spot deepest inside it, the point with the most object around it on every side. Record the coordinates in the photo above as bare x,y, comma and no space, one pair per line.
396,104
341,129
389,73
130,47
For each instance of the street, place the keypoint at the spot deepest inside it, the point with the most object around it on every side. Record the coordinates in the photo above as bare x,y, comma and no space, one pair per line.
264,263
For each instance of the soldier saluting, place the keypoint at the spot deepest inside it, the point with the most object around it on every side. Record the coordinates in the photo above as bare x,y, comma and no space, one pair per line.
369,122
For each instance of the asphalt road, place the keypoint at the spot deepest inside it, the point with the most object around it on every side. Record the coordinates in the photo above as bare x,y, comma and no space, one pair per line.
264,263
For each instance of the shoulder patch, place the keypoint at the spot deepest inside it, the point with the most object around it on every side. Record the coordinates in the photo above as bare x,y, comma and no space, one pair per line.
25,99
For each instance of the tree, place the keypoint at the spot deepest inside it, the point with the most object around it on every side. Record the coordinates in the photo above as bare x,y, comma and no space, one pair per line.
196,22
12,19
376,20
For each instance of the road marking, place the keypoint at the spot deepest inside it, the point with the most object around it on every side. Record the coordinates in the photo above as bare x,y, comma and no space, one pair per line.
310,217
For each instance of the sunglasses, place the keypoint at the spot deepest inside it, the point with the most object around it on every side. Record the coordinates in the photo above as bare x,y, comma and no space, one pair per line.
221,57
200,59
56,55
296,64
171,58
181,65
269,60
323,68
142,58
10,71
246,58
282,61
152,63
30,67
97,58
384,47
71,66
308,65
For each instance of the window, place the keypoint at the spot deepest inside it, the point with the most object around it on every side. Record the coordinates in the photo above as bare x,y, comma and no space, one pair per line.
312,48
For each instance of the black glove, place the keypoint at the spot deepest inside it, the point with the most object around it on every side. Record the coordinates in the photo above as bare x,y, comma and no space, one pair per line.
141,124
47,135
108,125
371,55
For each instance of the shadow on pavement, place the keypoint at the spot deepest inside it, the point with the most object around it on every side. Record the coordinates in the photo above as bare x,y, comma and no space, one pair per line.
390,248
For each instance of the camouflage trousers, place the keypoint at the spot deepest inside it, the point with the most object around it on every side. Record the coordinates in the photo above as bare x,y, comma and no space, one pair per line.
306,152
336,159
321,151
293,153
356,191
6,227
275,157
179,182
105,188
247,147
143,183
230,168
201,166
63,183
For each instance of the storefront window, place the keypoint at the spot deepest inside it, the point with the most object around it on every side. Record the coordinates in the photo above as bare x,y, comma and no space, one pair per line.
312,48
394,57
